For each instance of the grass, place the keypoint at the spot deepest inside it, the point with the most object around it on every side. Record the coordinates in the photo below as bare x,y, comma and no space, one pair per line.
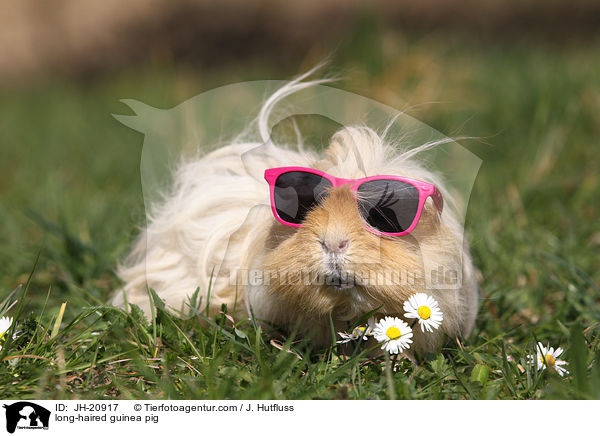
72,201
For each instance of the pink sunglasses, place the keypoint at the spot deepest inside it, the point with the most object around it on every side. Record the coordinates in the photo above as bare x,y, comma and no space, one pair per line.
390,205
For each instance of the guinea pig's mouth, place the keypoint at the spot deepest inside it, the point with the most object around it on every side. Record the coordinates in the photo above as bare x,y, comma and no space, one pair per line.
340,280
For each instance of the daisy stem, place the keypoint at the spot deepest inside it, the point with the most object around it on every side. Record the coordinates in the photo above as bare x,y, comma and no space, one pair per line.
388,377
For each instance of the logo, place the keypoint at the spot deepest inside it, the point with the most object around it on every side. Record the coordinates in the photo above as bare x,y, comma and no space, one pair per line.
26,415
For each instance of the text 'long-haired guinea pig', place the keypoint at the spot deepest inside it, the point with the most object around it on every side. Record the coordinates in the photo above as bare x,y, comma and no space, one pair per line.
323,237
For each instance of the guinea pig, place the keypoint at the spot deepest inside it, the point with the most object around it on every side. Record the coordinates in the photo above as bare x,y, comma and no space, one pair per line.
348,231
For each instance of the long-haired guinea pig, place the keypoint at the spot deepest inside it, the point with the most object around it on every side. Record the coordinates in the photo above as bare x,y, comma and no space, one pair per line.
323,237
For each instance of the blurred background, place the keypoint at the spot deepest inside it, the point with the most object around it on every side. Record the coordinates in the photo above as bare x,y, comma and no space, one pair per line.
523,76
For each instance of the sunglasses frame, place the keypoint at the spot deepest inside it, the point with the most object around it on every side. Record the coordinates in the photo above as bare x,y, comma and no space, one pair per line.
425,190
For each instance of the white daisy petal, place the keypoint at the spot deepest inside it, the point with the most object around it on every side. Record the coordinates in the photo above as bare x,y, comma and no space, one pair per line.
5,323
359,332
345,338
547,358
425,309
560,370
371,325
394,334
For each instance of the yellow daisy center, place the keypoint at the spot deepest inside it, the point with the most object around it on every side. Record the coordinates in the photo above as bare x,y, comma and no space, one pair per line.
2,336
550,360
358,331
424,312
393,333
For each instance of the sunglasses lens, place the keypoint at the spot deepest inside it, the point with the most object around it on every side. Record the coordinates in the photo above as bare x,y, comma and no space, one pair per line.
297,192
389,206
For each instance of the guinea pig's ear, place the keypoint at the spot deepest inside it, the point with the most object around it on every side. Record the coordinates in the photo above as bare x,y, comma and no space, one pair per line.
345,147
335,149
430,216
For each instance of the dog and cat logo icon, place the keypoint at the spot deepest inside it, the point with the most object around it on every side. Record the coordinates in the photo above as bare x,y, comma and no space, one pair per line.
26,415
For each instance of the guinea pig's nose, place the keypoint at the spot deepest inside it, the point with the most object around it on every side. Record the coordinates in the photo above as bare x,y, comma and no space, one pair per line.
334,246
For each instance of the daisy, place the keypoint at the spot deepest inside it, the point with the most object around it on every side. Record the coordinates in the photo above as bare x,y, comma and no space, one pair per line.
394,333
5,323
364,331
547,358
425,309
